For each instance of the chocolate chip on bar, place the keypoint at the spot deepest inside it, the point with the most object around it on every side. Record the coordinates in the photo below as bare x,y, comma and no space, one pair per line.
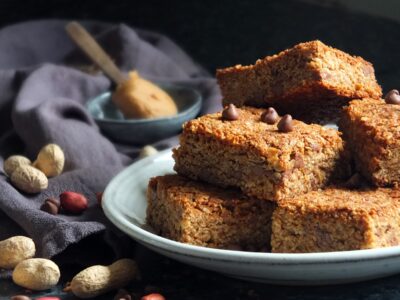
286,124
270,116
392,97
230,113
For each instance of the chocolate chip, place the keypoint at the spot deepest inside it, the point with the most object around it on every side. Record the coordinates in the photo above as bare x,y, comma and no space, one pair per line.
122,294
286,124
392,97
50,208
20,297
54,201
230,113
270,116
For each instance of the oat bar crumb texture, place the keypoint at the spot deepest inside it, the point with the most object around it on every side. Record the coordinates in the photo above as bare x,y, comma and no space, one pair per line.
200,214
337,220
312,81
372,130
257,158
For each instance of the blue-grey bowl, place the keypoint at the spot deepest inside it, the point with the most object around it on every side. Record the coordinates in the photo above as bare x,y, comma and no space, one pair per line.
145,131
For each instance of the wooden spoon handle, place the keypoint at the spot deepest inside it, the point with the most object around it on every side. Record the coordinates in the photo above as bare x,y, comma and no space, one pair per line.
92,49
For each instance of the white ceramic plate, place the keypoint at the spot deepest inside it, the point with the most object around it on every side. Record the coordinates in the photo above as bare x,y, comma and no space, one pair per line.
125,204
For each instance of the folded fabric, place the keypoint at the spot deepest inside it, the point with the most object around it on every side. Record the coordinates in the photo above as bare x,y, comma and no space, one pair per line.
44,87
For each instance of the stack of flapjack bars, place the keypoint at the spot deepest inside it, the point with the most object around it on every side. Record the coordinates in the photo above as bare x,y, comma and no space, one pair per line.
267,174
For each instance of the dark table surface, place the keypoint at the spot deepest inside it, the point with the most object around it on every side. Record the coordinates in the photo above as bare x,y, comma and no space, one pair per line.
178,281
219,34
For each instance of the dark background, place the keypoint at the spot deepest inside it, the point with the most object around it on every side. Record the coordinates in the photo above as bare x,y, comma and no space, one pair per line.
223,33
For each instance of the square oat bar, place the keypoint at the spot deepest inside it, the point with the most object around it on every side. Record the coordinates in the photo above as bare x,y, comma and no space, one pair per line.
259,159
204,215
311,81
372,130
337,220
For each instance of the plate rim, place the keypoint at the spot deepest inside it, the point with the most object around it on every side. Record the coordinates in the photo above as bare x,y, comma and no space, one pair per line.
146,237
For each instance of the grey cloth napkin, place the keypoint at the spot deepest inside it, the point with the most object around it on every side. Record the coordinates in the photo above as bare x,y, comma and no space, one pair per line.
43,91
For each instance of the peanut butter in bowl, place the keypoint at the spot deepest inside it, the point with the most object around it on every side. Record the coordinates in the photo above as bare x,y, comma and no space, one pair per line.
138,98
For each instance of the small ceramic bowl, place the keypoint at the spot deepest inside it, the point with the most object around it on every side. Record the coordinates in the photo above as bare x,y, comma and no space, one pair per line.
145,131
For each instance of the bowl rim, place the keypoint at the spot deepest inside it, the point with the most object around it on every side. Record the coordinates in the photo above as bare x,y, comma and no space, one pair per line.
196,104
